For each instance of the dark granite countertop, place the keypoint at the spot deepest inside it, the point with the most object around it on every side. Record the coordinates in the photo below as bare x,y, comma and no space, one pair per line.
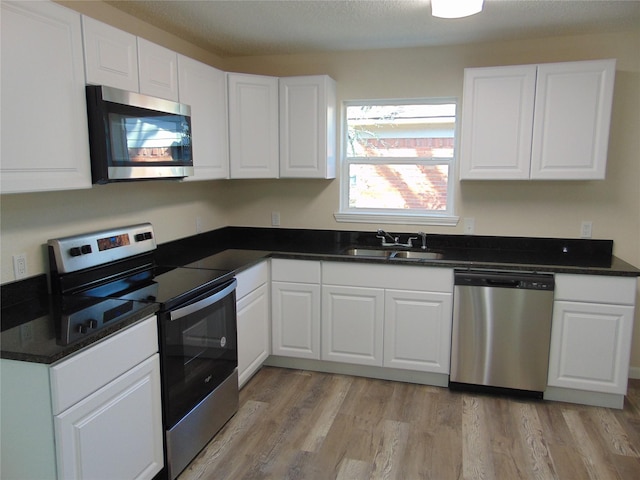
32,329
230,245
30,316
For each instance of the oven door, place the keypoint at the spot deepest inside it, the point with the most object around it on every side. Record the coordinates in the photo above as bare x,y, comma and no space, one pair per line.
199,349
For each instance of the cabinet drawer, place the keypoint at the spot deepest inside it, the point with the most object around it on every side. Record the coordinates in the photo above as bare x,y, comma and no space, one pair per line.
75,378
252,278
299,271
596,289
401,277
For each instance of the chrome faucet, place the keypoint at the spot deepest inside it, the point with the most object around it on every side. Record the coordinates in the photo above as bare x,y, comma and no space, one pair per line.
395,240
424,240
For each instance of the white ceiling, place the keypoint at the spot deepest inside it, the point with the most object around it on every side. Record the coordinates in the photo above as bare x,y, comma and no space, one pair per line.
264,27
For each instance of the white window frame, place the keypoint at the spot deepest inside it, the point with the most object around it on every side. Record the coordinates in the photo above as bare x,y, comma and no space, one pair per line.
390,216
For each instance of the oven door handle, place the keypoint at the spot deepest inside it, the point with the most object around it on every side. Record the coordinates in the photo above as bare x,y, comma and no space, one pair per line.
205,302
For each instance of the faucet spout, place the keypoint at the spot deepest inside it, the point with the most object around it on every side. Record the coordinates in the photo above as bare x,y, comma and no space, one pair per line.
424,240
395,241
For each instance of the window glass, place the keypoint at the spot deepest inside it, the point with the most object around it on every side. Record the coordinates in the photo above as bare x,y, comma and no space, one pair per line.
398,157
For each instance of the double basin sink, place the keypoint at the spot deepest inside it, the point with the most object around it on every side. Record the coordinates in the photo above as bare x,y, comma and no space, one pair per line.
392,253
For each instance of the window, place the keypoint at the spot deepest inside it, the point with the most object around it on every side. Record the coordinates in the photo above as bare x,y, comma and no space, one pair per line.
398,162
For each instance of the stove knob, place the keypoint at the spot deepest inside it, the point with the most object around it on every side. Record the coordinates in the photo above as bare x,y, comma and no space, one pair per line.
85,249
92,324
75,252
82,329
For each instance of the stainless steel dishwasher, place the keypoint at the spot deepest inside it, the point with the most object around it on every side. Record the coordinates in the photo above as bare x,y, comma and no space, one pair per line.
501,331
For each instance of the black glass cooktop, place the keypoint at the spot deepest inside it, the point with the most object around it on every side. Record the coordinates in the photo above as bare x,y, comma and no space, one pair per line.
166,286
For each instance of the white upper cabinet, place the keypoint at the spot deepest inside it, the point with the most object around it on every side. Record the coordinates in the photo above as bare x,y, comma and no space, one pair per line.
158,70
548,121
253,126
308,127
121,60
45,144
497,120
110,55
204,88
572,118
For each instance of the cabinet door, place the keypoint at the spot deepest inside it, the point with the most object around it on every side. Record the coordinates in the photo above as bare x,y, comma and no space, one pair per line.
110,55
497,120
253,332
158,70
296,319
253,126
308,127
417,330
204,88
117,431
352,324
590,346
572,117
45,144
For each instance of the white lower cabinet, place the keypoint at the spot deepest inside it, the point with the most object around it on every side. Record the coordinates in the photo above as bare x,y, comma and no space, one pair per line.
352,324
295,296
253,309
108,434
417,333
591,336
108,410
387,315
96,414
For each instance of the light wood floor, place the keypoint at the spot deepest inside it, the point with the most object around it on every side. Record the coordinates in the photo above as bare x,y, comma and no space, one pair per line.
296,424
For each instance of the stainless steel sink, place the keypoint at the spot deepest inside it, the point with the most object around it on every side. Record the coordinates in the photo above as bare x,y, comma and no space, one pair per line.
369,252
381,253
419,255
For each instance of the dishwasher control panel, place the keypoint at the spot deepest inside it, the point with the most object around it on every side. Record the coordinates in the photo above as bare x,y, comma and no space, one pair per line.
500,279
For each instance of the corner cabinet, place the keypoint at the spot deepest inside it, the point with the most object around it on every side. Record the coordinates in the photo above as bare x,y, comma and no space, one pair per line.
253,126
307,127
45,145
547,121
591,339
253,312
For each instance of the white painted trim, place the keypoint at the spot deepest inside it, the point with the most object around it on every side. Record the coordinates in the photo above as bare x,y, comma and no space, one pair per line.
378,218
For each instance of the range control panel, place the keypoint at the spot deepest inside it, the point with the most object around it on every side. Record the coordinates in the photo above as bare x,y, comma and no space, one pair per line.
78,252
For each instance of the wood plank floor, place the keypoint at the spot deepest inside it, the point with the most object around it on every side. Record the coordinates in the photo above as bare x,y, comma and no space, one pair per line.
295,424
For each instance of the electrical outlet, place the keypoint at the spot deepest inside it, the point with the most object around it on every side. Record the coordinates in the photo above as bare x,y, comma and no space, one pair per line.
275,219
469,226
20,265
26,333
585,229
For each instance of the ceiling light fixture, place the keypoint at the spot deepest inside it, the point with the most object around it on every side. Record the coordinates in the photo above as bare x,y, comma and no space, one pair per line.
455,8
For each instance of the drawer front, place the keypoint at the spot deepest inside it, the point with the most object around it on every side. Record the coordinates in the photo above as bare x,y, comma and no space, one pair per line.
77,377
420,278
297,271
596,289
252,278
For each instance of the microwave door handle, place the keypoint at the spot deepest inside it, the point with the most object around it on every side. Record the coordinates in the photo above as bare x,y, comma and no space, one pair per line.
205,302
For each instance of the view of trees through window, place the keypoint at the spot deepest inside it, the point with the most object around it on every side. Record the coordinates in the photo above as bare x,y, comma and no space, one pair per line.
399,156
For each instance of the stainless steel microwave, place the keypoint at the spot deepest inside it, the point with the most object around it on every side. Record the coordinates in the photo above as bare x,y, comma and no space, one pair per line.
137,137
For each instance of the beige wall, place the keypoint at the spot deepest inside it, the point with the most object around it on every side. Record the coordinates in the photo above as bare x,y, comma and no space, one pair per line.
549,209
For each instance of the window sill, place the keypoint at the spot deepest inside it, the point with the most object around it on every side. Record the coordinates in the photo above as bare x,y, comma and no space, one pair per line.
403,219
